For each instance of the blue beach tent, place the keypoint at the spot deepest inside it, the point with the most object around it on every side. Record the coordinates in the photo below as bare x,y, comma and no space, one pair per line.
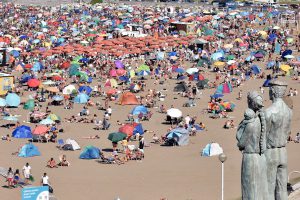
29,150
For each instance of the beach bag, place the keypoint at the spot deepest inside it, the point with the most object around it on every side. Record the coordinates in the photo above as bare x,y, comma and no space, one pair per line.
50,189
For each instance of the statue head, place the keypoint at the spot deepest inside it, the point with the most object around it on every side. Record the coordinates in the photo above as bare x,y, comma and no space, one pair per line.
255,101
277,89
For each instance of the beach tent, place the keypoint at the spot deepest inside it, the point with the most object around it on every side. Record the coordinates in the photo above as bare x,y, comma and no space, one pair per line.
90,152
111,83
212,149
181,87
29,150
180,134
139,109
128,98
13,100
73,145
29,105
81,98
22,132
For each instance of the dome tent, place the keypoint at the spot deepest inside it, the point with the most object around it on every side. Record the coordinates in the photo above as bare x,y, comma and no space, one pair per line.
128,98
212,149
22,132
90,152
29,150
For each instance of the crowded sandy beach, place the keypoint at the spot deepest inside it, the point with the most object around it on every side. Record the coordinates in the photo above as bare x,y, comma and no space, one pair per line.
138,101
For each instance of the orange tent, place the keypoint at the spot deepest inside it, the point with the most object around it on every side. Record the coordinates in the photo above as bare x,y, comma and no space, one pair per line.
128,98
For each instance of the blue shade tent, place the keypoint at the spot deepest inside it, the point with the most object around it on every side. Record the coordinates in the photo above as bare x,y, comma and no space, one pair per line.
138,129
124,78
270,64
90,152
81,98
179,70
13,100
85,88
22,132
181,135
172,54
139,109
255,69
272,37
29,150
15,53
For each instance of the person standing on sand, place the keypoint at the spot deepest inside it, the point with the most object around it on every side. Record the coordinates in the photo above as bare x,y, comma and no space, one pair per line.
27,173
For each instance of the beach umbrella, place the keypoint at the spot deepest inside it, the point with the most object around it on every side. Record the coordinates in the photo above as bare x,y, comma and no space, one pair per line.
217,95
85,88
48,82
29,105
143,73
40,130
52,89
54,117
58,98
143,68
179,70
139,109
192,70
276,27
116,137
33,83
2,102
69,89
127,129
111,83
230,62
285,68
289,56
174,112
47,122
13,100
10,118
219,64
258,55
216,56
286,52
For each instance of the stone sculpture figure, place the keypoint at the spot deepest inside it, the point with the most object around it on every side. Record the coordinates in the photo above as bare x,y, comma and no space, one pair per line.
278,128
251,141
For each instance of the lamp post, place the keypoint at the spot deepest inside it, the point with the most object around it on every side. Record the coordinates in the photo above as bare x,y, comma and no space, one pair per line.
222,158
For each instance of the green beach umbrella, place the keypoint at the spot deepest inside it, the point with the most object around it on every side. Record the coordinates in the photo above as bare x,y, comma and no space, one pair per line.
116,136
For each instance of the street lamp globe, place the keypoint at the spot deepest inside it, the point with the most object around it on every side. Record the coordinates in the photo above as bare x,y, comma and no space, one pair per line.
222,157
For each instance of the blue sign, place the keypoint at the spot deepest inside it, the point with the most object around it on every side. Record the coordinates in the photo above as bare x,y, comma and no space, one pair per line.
35,193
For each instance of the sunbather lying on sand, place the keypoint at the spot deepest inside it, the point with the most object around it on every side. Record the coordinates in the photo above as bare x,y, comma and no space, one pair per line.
92,137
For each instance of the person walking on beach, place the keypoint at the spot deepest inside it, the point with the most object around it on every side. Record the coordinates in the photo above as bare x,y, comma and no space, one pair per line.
27,173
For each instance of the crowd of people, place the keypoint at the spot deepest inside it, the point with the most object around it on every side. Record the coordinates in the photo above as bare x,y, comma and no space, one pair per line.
84,56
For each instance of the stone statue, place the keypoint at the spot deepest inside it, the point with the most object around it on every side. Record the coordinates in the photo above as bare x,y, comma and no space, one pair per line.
251,141
278,128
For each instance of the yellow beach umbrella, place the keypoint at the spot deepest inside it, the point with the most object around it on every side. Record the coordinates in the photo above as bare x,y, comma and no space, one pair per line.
239,40
219,64
285,68
264,34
